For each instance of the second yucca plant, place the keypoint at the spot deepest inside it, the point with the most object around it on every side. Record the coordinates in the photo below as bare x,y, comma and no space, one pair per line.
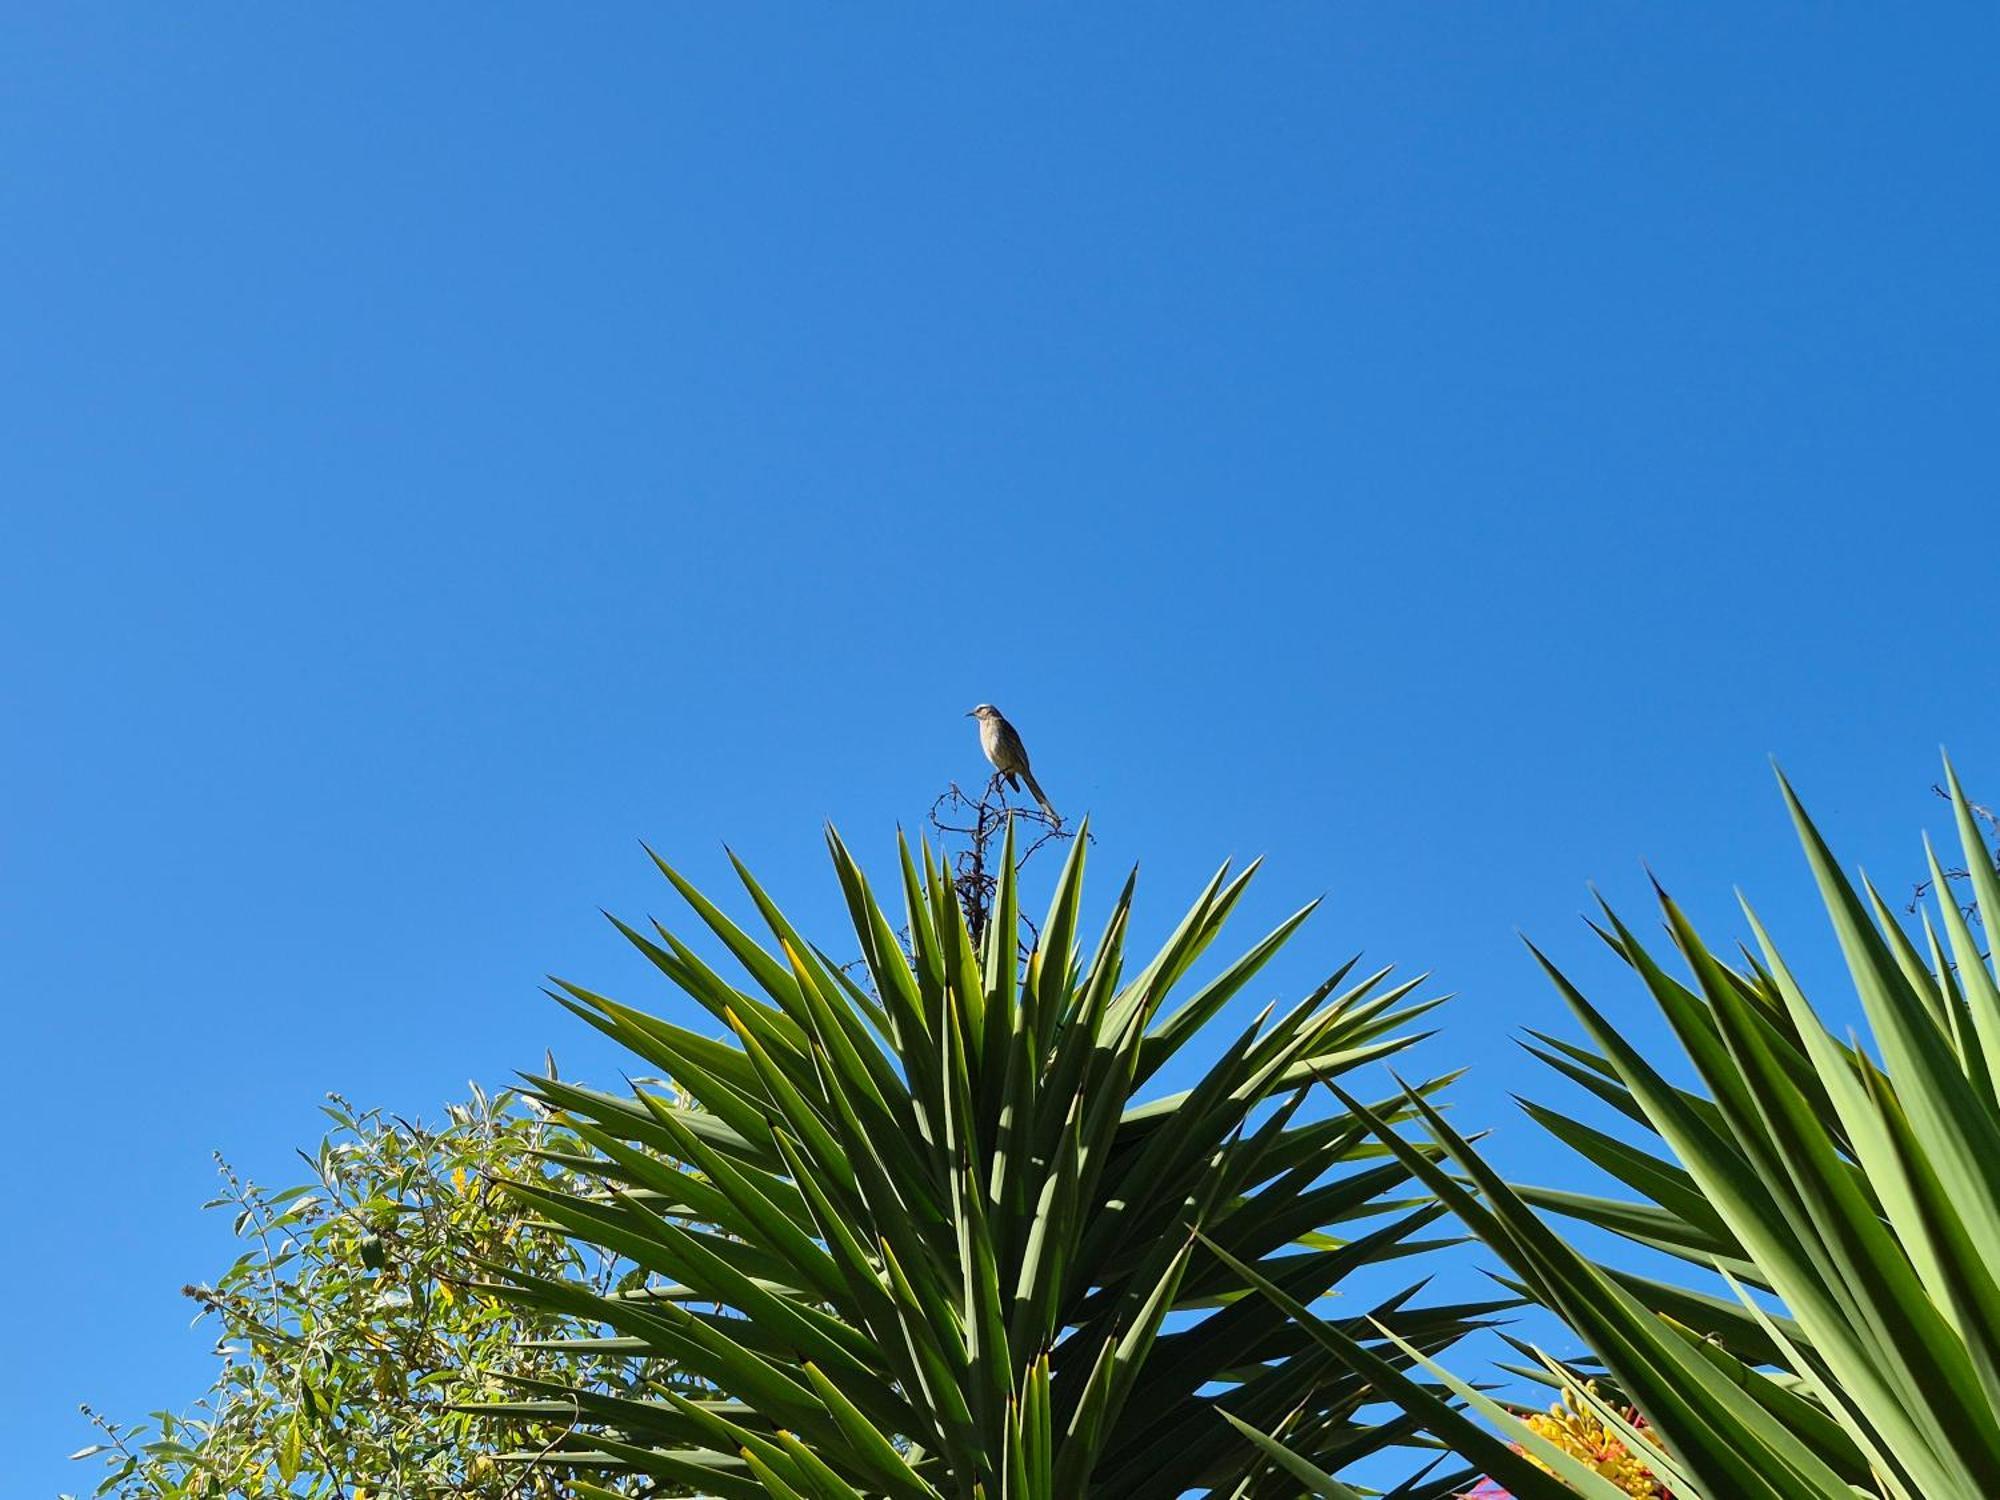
1844,1201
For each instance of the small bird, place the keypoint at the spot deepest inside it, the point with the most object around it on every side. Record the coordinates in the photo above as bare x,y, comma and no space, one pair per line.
1009,756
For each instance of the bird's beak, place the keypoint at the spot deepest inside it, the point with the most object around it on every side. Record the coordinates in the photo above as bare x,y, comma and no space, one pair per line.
970,713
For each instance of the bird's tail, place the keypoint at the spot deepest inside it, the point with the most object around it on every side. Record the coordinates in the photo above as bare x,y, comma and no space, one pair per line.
1035,789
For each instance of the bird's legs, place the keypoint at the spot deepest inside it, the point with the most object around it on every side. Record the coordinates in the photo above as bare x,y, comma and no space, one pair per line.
999,784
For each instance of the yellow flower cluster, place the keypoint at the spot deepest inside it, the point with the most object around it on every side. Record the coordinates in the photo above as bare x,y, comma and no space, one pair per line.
1575,1429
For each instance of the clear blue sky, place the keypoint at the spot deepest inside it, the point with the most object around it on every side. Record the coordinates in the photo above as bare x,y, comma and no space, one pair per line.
1444,449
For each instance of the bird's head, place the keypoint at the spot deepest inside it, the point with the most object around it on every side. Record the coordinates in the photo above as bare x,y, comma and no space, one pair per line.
984,712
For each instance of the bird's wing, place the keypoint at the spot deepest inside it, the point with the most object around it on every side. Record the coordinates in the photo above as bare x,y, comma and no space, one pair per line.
1011,747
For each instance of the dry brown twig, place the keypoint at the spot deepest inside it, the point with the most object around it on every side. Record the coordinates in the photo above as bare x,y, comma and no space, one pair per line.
1923,888
967,828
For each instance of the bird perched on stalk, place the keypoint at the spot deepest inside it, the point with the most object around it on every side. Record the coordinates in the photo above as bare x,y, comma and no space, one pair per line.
1003,747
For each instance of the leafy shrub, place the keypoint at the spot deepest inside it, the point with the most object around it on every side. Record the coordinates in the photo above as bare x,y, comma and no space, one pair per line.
349,1330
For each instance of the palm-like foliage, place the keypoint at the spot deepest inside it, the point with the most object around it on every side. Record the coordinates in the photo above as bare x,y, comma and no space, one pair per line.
919,1239
1849,1202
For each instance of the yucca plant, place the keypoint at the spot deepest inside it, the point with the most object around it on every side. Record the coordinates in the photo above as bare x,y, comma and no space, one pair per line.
920,1237
1846,1201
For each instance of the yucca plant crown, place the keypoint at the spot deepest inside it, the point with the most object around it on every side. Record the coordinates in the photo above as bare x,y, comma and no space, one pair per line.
930,1230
